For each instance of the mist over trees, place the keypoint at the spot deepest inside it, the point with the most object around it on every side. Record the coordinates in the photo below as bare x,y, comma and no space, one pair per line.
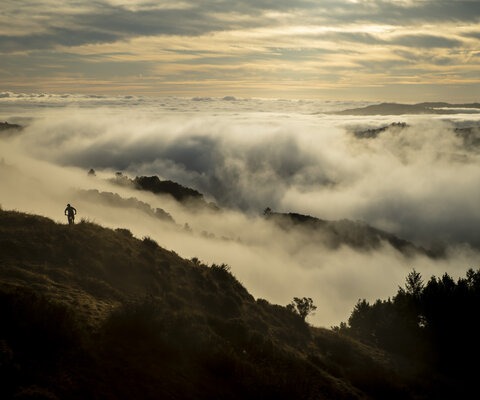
434,325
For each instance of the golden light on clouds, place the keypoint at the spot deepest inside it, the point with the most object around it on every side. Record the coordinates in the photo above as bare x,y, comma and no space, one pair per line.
357,43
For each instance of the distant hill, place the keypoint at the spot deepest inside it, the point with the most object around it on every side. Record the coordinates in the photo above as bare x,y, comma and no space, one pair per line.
334,234
116,201
187,196
178,192
419,108
469,134
331,234
89,312
7,129
372,133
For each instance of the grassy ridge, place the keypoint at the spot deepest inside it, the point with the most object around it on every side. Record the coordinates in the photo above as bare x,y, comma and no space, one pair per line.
89,312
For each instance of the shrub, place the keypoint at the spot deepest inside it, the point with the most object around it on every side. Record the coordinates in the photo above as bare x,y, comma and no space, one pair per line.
124,231
221,270
150,243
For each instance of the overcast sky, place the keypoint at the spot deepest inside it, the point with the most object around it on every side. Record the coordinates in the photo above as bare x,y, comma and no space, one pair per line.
404,50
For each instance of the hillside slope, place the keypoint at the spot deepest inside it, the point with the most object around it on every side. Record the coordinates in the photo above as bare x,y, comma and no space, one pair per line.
89,312
334,234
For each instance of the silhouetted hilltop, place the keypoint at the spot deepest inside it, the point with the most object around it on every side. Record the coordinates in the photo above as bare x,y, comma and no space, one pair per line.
115,200
184,195
90,312
470,135
420,108
7,129
178,192
333,234
468,131
372,133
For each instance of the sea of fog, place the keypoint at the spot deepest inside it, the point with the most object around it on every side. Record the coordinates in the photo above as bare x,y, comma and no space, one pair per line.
420,183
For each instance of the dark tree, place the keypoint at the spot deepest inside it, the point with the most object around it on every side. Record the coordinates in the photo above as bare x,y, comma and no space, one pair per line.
302,306
414,283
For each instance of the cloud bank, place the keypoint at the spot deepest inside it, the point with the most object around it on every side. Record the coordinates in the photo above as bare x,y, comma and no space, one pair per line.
420,182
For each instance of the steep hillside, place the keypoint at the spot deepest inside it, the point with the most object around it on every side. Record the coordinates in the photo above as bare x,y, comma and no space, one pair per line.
89,312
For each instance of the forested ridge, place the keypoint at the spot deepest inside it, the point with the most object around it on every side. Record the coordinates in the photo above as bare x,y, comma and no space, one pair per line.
433,325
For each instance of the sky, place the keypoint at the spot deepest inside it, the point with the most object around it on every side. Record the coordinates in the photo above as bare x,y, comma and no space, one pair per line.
364,50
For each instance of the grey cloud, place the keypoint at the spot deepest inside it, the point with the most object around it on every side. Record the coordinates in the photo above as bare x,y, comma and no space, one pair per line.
330,12
241,175
354,37
409,59
168,22
383,11
387,65
474,34
54,37
107,23
54,62
426,41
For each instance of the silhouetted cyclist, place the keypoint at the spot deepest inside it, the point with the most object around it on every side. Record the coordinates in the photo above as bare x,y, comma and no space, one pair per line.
70,212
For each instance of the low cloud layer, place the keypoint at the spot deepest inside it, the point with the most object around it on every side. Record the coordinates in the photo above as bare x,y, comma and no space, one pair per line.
419,182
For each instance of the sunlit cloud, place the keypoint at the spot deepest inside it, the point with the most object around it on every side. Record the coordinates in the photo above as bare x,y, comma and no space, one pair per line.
310,43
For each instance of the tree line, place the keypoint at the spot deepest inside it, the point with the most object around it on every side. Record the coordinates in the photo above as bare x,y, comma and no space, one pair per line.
435,325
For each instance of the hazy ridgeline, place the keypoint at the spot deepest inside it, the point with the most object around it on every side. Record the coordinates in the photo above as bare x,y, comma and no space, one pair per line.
419,182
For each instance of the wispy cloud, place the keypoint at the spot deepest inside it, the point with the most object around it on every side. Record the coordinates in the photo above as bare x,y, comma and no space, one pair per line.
312,40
